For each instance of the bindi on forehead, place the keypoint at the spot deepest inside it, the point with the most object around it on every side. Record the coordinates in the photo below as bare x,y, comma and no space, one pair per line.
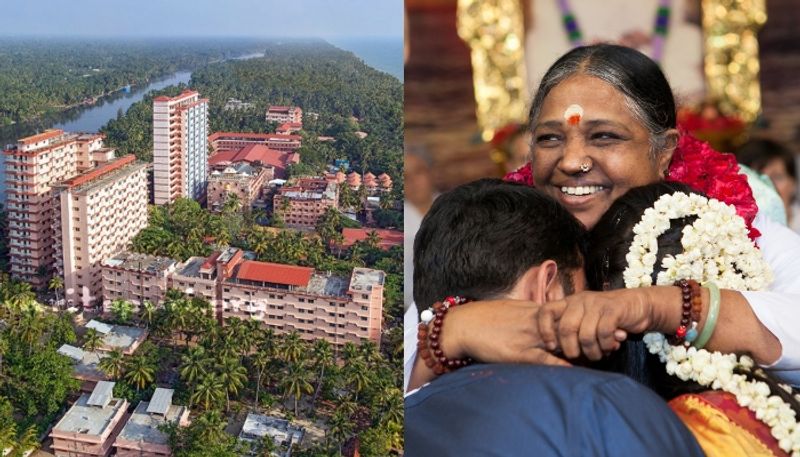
573,114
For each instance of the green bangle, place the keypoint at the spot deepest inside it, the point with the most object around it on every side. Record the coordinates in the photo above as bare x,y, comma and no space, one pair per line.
711,318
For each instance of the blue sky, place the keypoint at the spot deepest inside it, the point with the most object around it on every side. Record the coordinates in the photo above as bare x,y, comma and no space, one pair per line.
175,18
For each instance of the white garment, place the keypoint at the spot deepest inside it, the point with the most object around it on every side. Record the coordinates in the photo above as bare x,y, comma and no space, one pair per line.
410,322
411,222
778,309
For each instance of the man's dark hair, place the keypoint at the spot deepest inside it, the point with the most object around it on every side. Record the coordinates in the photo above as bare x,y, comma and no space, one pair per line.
478,239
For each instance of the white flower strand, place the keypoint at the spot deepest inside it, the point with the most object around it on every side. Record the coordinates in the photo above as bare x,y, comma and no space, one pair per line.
715,248
716,371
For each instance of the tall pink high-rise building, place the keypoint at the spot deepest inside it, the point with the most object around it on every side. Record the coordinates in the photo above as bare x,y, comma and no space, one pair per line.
100,212
33,165
180,147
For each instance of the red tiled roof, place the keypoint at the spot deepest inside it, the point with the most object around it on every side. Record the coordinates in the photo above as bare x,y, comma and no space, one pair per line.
275,273
220,157
50,133
211,260
279,108
388,238
100,171
256,153
186,93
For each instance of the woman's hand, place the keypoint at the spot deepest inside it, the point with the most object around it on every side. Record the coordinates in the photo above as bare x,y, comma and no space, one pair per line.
502,331
594,323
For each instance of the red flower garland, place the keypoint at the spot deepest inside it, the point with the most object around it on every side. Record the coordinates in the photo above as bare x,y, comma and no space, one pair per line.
699,166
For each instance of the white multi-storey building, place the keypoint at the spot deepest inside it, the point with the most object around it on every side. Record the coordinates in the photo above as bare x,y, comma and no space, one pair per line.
180,147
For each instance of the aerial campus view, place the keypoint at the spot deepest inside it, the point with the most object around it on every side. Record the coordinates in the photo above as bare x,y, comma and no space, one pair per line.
201,228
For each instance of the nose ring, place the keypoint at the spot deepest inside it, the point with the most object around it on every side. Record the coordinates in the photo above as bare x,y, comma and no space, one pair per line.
585,167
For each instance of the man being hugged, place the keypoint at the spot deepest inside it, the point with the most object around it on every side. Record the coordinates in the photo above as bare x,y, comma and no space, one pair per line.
491,239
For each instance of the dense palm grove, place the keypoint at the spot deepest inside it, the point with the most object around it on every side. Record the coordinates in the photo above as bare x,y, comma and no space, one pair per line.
39,76
35,380
217,370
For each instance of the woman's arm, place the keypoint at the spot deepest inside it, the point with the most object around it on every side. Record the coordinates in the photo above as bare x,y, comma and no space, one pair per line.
585,322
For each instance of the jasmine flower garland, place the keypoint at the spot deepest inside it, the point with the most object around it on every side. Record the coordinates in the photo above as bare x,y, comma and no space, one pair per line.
716,248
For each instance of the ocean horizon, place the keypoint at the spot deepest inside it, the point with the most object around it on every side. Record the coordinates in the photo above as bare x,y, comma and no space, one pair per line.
383,53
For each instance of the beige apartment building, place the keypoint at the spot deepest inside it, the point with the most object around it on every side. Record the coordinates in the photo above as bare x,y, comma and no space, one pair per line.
303,202
180,147
33,165
233,141
135,278
240,179
91,425
288,298
100,212
283,114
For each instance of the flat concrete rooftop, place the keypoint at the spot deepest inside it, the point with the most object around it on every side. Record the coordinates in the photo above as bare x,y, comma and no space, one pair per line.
143,426
86,419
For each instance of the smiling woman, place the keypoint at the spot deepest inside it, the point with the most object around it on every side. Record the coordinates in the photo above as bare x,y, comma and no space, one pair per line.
625,137
585,165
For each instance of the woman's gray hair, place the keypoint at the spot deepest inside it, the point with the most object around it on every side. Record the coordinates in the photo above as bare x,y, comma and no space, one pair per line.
645,88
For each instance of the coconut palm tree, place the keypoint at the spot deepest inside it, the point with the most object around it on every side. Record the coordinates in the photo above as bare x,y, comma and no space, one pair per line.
296,382
8,436
292,348
140,372
357,377
340,428
370,353
260,360
193,364
260,245
4,348
390,402
92,340
26,442
208,392
30,327
56,284
122,310
18,294
113,364
350,352
373,240
233,376
210,427
147,313
322,356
